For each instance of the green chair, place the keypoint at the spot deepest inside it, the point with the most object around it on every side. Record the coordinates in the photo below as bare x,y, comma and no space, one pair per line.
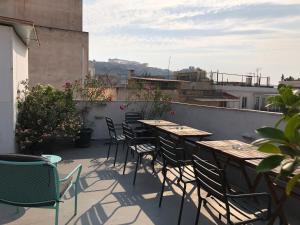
32,181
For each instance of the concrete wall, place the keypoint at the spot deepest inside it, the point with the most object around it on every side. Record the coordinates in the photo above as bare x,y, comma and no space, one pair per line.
6,82
13,69
63,14
62,56
224,123
63,53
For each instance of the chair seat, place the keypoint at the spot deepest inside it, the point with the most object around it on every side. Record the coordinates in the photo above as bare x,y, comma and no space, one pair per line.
143,148
241,210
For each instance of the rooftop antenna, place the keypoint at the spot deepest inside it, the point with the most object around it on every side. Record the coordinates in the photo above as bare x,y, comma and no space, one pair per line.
169,67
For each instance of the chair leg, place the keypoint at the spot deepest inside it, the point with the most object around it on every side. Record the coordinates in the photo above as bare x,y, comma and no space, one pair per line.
75,208
125,163
181,204
116,154
136,168
108,151
152,163
56,213
199,206
123,145
162,187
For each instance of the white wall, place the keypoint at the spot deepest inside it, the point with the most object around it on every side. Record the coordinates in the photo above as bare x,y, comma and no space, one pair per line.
112,109
224,123
13,67
20,69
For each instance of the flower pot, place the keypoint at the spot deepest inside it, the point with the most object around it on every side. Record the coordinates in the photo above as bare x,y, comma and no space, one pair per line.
83,140
45,147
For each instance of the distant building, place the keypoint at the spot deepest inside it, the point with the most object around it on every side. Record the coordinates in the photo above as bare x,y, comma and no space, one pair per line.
127,62
163,84
92,69
191,74
251,90
63,51
293,83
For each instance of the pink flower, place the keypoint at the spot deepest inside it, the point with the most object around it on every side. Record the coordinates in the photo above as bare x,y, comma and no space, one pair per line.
122,107
67,85
172,113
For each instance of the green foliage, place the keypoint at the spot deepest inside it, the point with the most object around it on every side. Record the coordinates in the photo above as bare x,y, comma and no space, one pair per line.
154,102
284,149
89,91
44,113
288,102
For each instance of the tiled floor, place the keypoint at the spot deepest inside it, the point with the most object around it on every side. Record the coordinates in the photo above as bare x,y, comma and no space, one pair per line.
108,197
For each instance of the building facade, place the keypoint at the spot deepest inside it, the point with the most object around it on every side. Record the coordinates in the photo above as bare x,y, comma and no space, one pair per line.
63,51
15,35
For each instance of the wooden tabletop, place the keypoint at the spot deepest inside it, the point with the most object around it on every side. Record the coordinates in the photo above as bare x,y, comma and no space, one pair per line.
157,123
184,131
234,149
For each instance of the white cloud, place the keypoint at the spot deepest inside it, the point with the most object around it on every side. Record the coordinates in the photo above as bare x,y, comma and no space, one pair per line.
227,34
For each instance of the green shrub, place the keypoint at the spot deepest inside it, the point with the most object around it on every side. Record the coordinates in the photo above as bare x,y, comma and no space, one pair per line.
44,113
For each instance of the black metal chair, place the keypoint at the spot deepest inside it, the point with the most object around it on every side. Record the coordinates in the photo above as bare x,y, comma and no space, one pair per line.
131,118
140,145
235,208
114,138
182,169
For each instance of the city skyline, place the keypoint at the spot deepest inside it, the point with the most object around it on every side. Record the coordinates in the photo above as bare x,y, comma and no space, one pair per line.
232,36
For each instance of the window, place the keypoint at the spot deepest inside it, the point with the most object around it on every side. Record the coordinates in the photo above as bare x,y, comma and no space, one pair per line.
256,106
244,102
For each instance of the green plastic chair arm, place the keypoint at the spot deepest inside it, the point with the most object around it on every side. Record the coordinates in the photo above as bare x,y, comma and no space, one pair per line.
77,169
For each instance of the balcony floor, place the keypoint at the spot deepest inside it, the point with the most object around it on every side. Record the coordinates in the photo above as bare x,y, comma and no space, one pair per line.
108,197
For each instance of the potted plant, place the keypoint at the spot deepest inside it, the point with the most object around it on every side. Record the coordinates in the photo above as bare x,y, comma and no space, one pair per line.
87,92
283,145
44,113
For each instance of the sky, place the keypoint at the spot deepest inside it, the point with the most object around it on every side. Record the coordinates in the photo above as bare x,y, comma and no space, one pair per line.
233,36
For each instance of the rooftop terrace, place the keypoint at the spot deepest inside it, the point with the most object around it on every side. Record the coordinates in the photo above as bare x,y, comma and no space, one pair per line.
108,197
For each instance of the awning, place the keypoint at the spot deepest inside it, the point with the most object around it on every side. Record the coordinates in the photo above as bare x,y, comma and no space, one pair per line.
23,28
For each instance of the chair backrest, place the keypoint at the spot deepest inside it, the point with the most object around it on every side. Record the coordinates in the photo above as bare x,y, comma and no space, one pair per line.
128,133
133,117
111,127
169,152
210,178
28,181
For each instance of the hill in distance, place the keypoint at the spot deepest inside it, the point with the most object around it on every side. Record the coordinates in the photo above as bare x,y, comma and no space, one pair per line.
120,67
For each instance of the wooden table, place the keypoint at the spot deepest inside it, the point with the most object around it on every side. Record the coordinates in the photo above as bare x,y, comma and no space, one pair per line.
234,149
246,155
184,131
157,123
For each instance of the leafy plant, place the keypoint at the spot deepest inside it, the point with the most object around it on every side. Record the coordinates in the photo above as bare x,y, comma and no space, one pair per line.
88,91
154,102
44,113
288,102
282,145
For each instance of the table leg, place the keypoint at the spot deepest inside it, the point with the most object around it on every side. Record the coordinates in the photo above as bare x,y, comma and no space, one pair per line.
278,201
